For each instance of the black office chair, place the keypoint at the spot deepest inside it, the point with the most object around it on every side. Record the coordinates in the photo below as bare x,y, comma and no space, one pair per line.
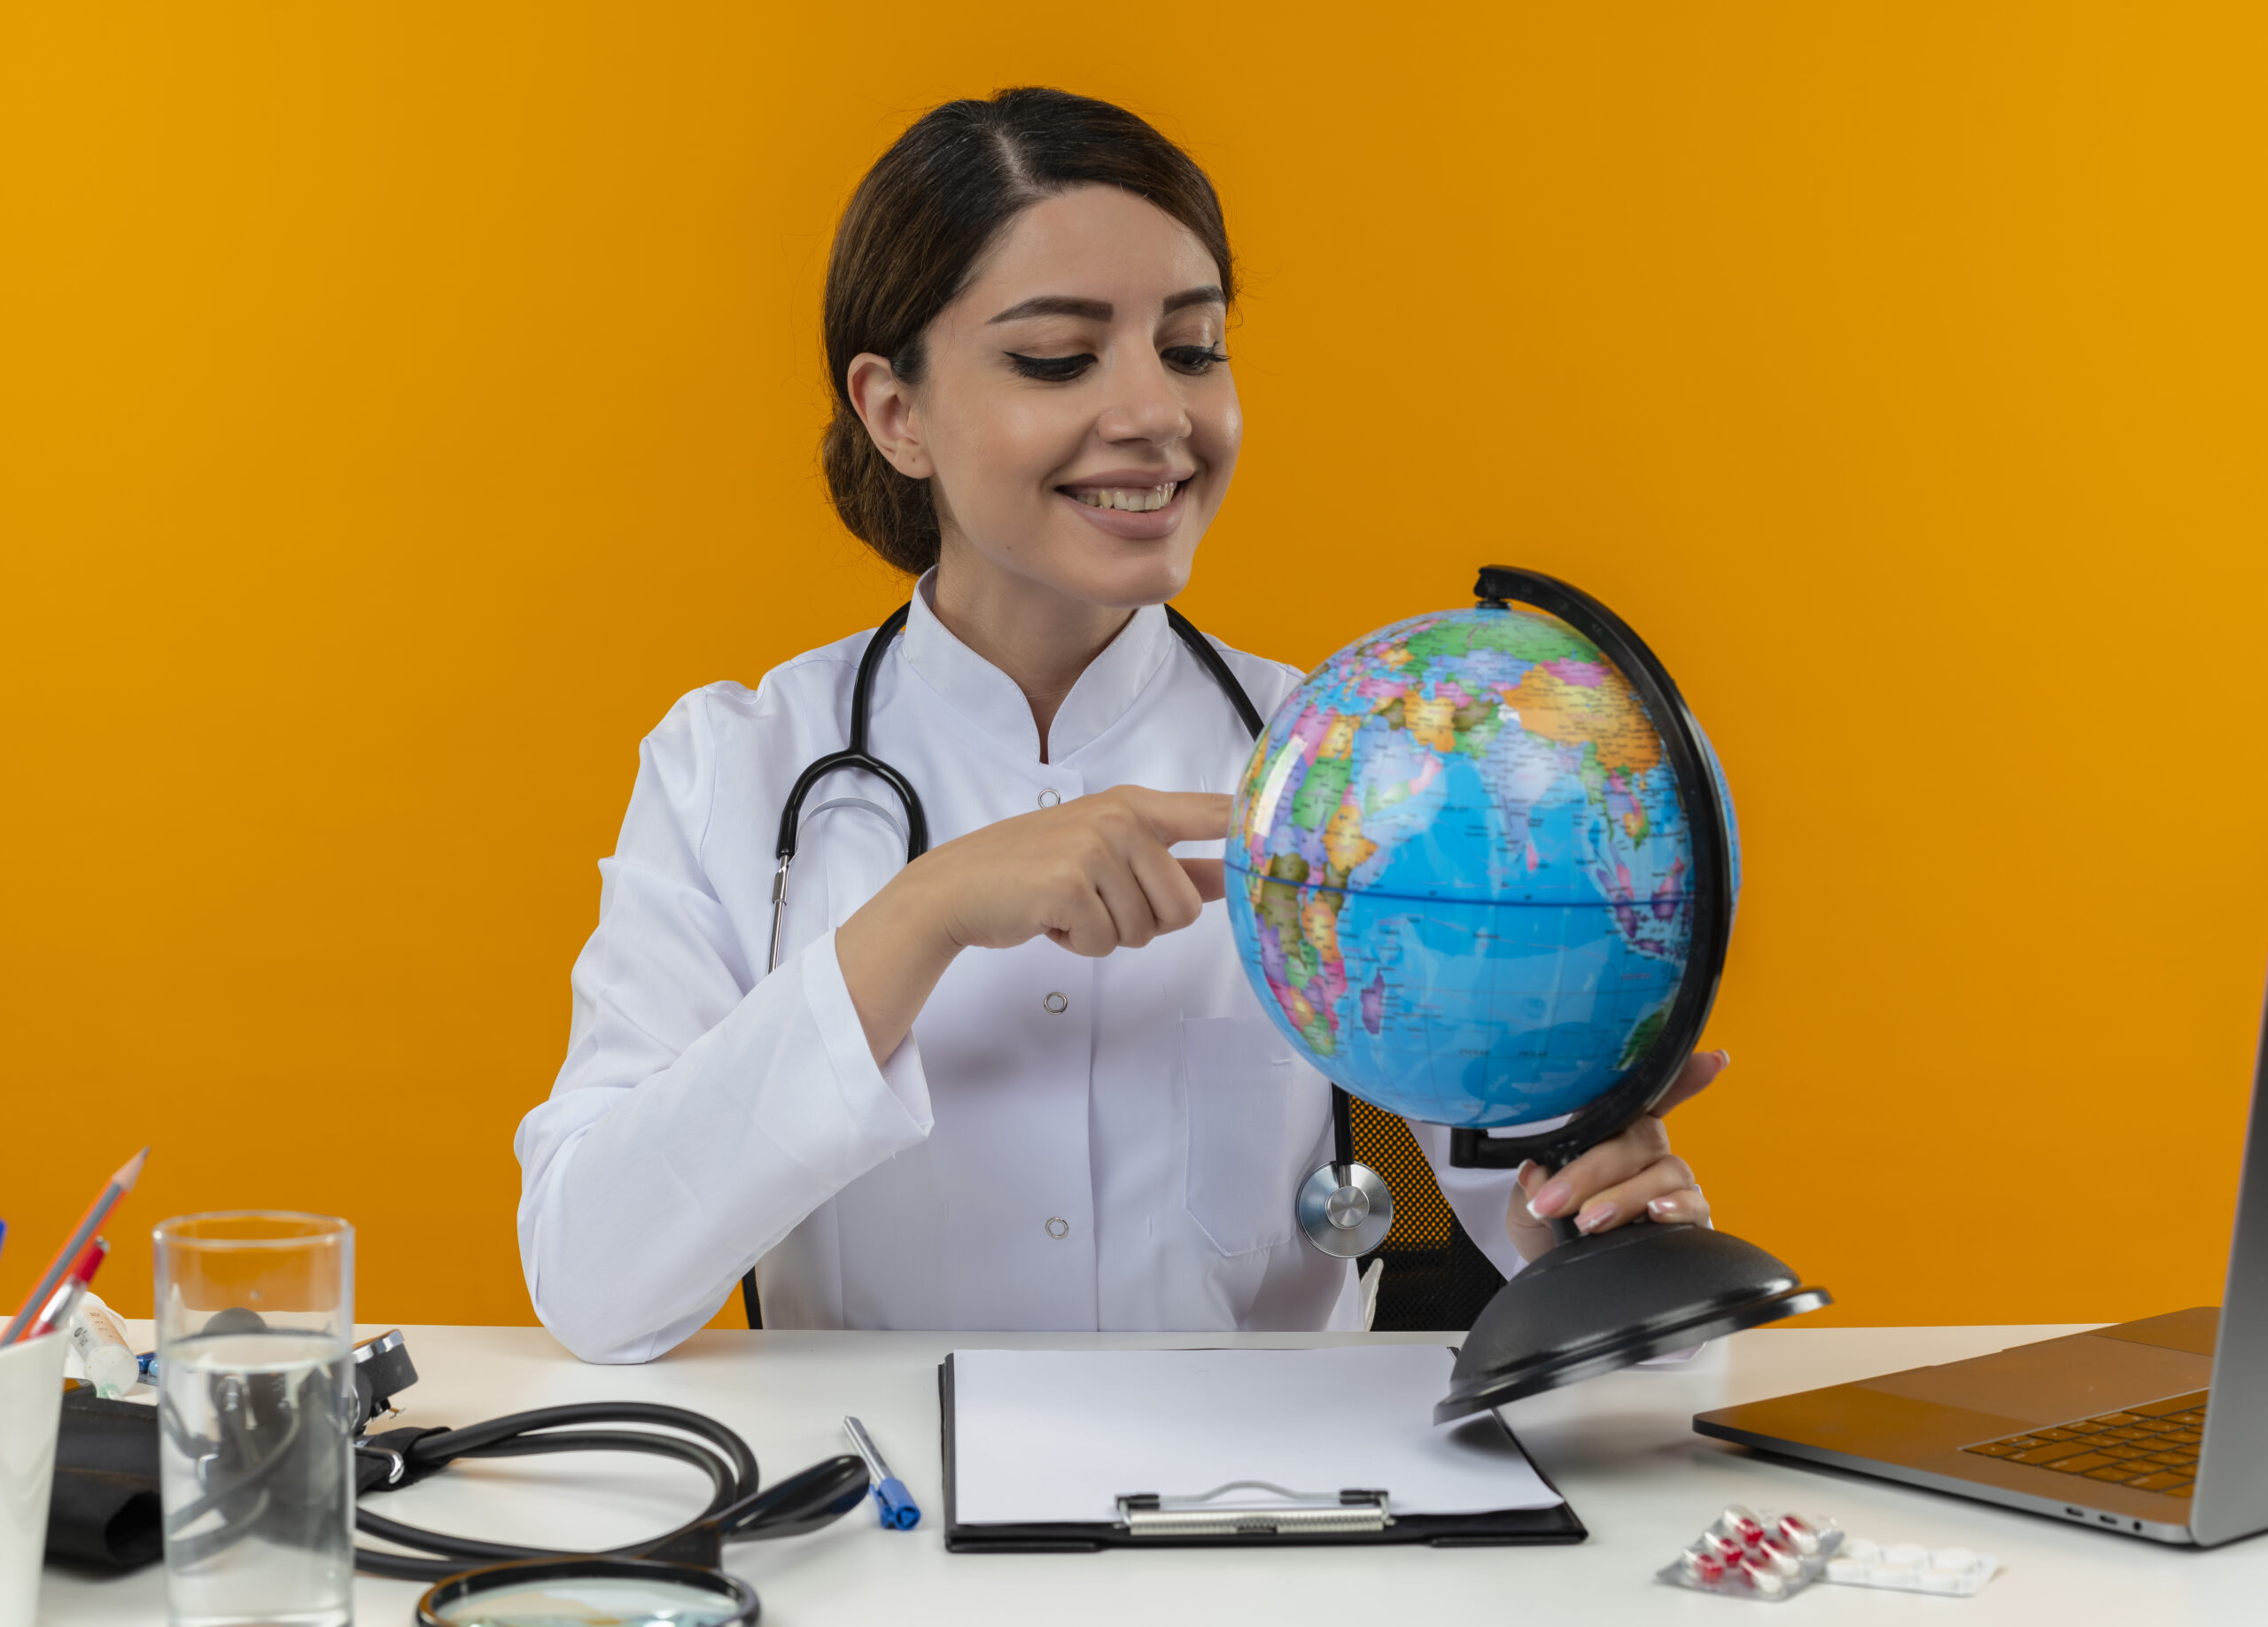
1436,1278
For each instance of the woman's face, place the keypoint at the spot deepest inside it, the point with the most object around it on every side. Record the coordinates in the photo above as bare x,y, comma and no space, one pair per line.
1077,417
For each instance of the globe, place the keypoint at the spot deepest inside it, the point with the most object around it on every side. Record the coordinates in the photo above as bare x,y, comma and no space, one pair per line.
1458,869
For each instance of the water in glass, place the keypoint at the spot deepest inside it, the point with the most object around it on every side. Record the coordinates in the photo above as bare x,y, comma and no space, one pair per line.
254,1450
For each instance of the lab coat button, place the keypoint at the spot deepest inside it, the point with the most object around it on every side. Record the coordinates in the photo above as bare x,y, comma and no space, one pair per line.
1049,798
1058,1227
1058,1003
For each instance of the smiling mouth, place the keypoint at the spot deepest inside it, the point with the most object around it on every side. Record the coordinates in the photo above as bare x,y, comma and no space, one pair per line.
1132,499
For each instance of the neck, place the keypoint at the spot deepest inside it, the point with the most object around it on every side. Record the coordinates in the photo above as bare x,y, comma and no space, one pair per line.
1041,637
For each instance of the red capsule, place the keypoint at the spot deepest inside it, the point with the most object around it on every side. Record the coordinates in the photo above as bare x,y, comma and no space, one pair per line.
1779,1556
1741,1525
1761,1576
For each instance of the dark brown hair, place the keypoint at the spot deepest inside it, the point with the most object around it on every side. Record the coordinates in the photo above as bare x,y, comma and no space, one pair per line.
917,226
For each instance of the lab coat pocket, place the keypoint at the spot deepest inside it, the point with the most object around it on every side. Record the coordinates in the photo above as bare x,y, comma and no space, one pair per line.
1255,1118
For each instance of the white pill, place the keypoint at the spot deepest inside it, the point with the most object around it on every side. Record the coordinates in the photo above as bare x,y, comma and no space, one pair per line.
1940,1581
1847,1570
1956,1559
1861,1549
1905,1555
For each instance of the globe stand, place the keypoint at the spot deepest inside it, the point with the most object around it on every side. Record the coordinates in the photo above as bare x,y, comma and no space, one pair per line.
1592,1305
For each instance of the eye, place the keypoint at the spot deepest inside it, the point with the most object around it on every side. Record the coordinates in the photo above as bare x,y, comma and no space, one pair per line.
1194,358
1051,369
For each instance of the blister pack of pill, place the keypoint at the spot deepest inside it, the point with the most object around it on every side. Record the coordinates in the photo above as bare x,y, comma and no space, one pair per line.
1909,1566
1770,1556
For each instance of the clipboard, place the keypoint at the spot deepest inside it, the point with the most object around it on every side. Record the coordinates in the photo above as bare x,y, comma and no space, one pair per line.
1243,1514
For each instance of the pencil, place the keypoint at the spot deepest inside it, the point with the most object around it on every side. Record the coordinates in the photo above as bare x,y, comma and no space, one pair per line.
75,1245
65,1299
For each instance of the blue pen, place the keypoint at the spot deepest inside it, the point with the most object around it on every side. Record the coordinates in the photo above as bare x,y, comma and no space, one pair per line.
891,1498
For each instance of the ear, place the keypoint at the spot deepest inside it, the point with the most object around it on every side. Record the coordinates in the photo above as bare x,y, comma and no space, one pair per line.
884,403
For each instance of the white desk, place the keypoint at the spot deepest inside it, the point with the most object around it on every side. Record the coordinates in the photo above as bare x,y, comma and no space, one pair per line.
1620,1447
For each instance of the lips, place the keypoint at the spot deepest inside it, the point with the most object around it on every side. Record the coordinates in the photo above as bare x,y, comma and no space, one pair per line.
1133,505
1127,499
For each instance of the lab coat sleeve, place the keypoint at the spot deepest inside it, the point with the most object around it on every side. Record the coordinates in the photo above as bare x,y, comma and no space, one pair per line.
1480,1199
704,1108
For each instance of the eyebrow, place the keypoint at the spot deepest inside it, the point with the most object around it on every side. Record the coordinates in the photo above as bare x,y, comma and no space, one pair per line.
1102,310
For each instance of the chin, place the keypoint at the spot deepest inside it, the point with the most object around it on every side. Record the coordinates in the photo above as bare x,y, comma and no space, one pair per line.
1128,584
1122,573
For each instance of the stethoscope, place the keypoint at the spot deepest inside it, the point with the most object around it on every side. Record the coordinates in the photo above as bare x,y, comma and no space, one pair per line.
1344,1208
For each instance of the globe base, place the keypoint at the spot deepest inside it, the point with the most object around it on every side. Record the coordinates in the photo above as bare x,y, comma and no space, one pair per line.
1595,1303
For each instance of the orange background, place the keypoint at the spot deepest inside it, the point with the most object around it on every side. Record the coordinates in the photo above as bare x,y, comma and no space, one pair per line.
400,404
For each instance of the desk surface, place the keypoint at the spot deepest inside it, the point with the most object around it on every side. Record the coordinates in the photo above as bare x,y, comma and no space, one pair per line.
1620,1447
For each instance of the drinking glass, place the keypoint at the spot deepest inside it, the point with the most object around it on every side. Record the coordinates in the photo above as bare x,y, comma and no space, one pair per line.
255,1319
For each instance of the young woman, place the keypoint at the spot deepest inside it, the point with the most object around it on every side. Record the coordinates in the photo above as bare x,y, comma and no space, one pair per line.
1021,1082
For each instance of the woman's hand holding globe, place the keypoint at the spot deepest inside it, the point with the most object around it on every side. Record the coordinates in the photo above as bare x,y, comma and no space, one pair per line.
1632,1174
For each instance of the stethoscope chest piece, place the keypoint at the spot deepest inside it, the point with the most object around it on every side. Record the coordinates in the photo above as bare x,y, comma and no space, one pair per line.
1345,1209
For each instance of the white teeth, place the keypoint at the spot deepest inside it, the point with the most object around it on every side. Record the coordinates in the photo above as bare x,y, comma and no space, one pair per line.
1133,499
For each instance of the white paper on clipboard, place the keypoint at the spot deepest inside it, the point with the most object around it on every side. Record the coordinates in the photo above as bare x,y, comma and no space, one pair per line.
1049,1435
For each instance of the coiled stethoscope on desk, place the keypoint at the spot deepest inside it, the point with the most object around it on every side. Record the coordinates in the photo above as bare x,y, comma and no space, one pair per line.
1344,1208
267,1466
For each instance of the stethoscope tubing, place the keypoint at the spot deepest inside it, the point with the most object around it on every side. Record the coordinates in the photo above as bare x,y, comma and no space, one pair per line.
738,1508
855,754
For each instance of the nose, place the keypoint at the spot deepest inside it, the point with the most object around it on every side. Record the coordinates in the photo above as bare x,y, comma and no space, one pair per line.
1145,404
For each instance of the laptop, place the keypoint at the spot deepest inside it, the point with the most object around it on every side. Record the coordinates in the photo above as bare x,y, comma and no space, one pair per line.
2157,1429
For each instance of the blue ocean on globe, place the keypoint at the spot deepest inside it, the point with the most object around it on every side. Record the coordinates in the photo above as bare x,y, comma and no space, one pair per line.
1459,869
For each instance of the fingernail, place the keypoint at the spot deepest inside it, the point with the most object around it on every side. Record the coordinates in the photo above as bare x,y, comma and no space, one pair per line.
1521,1173
1596,1216
1662,1208
1724,1060
1549,1201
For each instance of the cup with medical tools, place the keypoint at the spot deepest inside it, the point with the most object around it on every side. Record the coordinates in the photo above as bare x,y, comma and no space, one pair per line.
255,1315
31,1408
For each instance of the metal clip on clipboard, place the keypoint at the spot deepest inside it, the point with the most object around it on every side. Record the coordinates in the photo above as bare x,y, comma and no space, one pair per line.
1146,1514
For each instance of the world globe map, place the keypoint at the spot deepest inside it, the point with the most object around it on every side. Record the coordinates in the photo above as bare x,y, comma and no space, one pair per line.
1458,869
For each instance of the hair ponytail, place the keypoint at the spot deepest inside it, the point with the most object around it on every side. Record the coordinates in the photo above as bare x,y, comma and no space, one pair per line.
915,229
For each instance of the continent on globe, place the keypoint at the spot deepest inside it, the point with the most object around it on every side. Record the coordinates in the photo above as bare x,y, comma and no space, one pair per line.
1458,868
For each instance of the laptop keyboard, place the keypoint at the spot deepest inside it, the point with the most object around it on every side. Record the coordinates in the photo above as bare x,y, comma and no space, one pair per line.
2150,1448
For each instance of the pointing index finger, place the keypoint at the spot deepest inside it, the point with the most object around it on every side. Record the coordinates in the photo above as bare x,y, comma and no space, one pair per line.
1181,817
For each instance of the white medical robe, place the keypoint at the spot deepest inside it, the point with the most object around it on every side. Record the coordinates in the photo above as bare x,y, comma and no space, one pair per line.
1063,1143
